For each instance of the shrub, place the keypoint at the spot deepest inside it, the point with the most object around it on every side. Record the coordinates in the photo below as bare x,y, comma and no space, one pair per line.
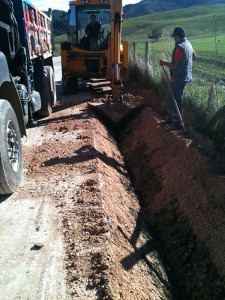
155,34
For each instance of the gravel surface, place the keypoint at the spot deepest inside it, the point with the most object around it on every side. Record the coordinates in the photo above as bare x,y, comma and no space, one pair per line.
75,229
107,254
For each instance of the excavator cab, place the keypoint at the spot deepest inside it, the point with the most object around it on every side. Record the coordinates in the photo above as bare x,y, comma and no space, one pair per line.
94,48
89,27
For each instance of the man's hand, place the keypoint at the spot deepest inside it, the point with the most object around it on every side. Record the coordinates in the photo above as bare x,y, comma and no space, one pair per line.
167,64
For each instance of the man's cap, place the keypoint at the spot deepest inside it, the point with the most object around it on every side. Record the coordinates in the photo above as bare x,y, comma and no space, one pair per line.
178,31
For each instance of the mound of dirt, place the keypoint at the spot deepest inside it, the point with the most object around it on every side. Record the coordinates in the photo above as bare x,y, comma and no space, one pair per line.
171,245
184,199
109,251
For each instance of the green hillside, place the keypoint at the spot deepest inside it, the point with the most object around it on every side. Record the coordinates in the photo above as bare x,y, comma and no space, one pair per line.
145,7
198,22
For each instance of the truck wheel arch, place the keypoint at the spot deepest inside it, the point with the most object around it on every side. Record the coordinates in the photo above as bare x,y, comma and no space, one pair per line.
8,92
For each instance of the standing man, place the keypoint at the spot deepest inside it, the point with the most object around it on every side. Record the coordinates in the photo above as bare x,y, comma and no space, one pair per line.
181,73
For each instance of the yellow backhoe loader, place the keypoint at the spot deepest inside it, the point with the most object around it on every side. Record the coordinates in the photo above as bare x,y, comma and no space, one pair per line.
94,48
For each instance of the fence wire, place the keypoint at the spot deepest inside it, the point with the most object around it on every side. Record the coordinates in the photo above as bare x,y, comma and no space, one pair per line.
207,91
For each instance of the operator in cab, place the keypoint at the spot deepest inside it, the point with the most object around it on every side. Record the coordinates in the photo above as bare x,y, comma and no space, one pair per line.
93,29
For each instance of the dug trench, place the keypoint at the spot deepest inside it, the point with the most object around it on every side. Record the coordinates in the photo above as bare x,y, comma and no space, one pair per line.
183,198
181,193
165,243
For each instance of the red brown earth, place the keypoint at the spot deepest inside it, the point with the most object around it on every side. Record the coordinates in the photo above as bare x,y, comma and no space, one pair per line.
109,252
182,185
165,243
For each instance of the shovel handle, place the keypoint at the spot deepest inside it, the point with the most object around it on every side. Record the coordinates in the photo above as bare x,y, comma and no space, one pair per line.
173,98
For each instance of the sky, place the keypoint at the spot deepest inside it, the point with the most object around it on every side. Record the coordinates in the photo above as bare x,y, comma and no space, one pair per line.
63,4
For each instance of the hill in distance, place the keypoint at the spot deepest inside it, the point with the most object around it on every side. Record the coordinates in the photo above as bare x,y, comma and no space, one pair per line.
146,7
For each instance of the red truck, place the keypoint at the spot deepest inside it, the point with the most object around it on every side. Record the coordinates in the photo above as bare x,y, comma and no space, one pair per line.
27,84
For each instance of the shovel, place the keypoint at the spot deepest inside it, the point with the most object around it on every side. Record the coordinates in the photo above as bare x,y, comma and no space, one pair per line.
173,98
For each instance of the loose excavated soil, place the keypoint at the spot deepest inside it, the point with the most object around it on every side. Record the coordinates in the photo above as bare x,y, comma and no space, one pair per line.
183,196
109,251
168,244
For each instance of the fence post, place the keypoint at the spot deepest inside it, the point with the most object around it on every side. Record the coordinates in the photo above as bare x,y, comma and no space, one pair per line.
146,53
134,51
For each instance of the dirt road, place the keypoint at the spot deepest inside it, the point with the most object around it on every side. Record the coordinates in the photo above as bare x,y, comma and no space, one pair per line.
70,230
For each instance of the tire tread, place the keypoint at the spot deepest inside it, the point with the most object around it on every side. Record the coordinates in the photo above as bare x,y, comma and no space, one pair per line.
7,187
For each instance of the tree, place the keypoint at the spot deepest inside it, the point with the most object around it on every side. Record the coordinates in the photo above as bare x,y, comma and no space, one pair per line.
155,34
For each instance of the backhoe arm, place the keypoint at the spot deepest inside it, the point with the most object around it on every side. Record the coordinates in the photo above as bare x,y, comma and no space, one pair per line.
115,64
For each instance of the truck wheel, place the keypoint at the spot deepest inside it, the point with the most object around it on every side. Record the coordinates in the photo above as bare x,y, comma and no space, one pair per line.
11,164
46,97
51,77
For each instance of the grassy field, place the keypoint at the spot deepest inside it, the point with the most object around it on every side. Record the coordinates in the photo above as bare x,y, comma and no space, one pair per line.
210,61
197,22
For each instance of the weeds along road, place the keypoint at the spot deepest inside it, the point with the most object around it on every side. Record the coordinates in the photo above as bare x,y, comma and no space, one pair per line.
70,230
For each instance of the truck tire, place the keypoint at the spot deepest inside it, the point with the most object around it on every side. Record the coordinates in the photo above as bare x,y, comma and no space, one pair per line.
46,97
11,162
51,77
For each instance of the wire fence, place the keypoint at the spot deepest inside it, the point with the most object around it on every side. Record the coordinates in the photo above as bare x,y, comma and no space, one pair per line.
207,90
206,94
206,33
210,60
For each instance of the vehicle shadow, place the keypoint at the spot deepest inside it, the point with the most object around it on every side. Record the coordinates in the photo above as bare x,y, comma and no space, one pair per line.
83,114
141,253
83,95
3,198
84,154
